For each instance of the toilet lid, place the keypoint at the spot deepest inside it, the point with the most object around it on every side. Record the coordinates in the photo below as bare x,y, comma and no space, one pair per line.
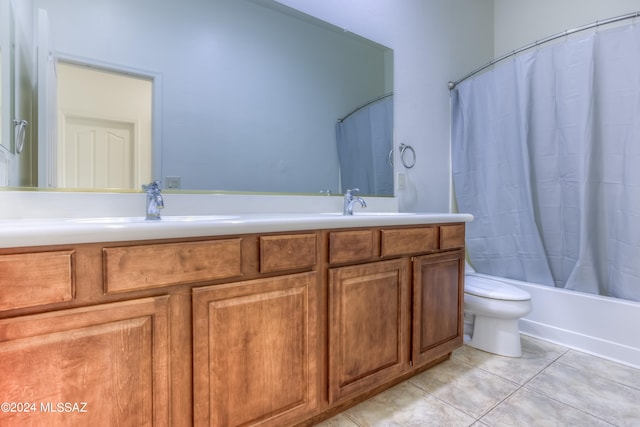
487,288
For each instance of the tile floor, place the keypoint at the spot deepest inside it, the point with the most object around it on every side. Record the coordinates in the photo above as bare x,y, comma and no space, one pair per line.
549,385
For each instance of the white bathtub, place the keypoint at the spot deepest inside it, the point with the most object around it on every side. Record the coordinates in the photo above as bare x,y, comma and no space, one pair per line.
602,326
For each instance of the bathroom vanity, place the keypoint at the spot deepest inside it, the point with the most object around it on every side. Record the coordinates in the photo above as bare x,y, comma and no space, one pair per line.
235,320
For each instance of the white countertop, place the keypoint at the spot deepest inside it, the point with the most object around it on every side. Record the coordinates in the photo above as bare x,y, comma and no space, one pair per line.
55,231
36,218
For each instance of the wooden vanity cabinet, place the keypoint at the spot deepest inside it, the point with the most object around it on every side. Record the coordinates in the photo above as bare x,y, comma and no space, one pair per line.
255,342
255,351
392,317
271,329
38,278
369,316
438,298
100,365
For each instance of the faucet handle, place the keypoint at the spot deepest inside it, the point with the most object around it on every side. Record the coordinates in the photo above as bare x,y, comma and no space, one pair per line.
353,190
153,186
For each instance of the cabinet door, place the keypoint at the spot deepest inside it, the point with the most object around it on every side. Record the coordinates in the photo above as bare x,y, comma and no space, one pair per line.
438,296
368,326
101,365
255,351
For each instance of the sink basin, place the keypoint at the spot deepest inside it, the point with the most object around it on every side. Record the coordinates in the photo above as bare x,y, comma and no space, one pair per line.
141,219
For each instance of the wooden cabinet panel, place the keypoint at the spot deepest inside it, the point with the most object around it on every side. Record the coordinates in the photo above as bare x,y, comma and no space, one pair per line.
150,266
407,241
110,361
31,279
351,246
255,351
290,252
451,236
438,297
368,326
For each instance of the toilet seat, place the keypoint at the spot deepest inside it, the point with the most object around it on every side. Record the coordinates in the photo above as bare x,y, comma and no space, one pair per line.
493,289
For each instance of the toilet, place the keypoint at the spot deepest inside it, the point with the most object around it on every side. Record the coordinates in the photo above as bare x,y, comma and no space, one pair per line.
491,310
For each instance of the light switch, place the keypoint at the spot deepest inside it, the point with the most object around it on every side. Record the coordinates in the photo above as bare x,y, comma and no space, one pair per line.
402,181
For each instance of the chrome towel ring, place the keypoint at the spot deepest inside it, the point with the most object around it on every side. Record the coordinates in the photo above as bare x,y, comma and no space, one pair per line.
403,151
20,133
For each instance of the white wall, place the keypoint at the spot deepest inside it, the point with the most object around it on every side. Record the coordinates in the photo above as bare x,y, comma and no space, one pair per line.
520,22
434,41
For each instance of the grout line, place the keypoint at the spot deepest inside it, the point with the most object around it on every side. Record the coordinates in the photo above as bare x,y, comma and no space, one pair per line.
498,403
551,363
349,417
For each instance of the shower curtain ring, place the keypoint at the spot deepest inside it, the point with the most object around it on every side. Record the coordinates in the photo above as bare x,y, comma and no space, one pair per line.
403,149
20,133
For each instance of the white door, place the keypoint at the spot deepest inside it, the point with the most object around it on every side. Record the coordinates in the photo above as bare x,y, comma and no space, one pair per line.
104,122
97,153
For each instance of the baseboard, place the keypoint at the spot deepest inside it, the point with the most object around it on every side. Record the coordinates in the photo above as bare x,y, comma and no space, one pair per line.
613,351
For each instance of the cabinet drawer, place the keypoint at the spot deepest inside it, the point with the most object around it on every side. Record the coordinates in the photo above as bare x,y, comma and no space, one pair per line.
290,252
151,266
406,241
452,236
28,280
349,246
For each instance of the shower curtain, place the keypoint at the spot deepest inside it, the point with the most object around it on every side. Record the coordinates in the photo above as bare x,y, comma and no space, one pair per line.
546,156
364,140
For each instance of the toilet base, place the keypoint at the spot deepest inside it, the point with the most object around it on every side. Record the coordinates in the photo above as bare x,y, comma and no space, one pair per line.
498,336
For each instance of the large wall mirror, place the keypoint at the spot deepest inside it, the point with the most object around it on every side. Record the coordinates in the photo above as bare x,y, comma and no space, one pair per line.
244,95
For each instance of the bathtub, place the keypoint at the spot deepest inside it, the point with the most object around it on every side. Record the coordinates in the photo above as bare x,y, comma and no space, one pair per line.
602,326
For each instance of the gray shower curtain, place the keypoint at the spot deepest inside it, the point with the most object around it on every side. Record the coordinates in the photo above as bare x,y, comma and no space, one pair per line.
364,140
546,156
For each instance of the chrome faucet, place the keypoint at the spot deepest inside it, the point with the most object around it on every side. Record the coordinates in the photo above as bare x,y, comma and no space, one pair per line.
155,202
350,200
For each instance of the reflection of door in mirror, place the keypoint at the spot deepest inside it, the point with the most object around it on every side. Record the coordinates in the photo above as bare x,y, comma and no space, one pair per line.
104,128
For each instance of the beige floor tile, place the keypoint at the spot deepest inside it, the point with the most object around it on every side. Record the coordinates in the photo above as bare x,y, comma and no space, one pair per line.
516,369
598,396
605,368
544,349
339,420
527,408
406,406
464,387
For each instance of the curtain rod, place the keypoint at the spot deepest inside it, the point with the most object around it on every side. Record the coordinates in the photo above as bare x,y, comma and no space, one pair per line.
452,84
365,105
